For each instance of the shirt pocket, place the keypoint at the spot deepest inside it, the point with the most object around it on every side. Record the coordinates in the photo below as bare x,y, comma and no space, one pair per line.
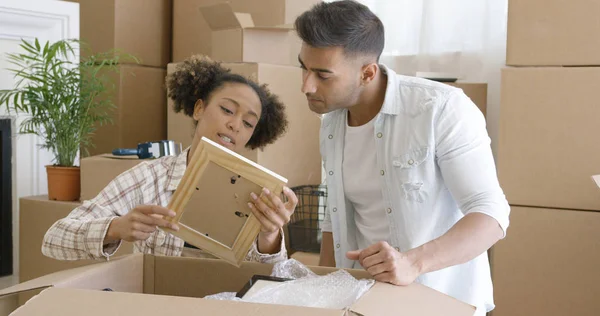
410,172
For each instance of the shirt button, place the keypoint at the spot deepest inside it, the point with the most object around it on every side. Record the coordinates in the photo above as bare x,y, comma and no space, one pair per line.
410,162
334,209
337,246
389,210
330,136
397,249
379,135
382,172
330,173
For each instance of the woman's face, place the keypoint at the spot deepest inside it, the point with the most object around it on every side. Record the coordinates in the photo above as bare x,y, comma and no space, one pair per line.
230,117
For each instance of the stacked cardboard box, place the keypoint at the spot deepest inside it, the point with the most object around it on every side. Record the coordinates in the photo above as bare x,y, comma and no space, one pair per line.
546,154
141,28
192,34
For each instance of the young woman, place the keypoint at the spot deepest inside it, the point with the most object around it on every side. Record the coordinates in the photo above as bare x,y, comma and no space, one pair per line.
228,109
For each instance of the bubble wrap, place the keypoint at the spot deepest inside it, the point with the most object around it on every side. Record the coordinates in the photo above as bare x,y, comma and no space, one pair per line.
336,290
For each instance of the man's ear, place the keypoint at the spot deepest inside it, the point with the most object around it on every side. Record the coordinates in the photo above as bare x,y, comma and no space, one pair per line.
198,110
369,73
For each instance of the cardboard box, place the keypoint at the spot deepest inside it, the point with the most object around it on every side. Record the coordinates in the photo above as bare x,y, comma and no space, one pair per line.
140,116
178,283
548,263
306,258
98,171
36,215
138,27
547,146
477,92
553,32
236,39
192,35
296,155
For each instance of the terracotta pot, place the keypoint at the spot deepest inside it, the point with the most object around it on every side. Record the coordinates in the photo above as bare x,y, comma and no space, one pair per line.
64,183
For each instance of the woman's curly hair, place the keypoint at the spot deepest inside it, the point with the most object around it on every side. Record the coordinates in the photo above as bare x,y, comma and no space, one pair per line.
198,77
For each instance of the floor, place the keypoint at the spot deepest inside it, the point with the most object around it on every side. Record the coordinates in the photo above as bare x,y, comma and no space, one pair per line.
7,281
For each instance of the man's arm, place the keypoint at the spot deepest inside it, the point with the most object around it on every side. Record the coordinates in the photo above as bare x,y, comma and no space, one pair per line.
459,244
327,257
467,239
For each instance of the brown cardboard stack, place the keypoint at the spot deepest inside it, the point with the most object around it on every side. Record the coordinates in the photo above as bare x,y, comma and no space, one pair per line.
139,115
141,28
553,33
192,34
547,153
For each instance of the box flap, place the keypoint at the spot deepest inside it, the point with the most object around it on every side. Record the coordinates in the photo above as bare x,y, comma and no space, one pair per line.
47,280
415,299
244,19
71,302
221,17
81,276
596,179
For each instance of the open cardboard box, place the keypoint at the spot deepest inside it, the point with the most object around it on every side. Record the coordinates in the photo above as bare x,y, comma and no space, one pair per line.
192,35
236,39
176,284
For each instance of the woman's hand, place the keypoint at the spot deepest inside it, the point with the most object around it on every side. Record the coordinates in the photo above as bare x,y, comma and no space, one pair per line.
272,214
139,224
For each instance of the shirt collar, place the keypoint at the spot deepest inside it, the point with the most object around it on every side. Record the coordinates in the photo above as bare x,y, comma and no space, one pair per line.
391,102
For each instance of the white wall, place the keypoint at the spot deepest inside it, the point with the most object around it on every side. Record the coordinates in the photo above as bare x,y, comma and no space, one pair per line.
48,21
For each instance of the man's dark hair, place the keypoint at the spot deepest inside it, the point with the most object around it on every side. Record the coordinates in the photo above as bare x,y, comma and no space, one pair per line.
346,23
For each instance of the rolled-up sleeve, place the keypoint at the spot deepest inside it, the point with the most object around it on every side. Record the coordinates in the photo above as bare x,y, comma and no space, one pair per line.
465,159
257,256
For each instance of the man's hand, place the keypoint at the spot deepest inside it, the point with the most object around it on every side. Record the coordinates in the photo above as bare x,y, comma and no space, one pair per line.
139,223
386,264
272,215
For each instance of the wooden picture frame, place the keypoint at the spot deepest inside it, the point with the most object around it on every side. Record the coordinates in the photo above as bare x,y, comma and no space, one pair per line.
212,156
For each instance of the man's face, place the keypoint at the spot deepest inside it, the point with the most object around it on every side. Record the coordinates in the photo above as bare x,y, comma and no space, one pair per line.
330,80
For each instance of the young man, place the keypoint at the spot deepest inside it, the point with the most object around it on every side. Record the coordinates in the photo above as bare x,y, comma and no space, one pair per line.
413,191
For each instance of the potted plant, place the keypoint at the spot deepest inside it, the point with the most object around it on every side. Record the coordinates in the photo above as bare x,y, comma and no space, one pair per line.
63,102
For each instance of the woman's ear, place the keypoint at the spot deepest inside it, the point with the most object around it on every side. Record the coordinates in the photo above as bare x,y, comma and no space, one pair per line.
198,110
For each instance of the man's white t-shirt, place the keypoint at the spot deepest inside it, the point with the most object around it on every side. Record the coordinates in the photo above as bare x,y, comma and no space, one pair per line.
362,186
